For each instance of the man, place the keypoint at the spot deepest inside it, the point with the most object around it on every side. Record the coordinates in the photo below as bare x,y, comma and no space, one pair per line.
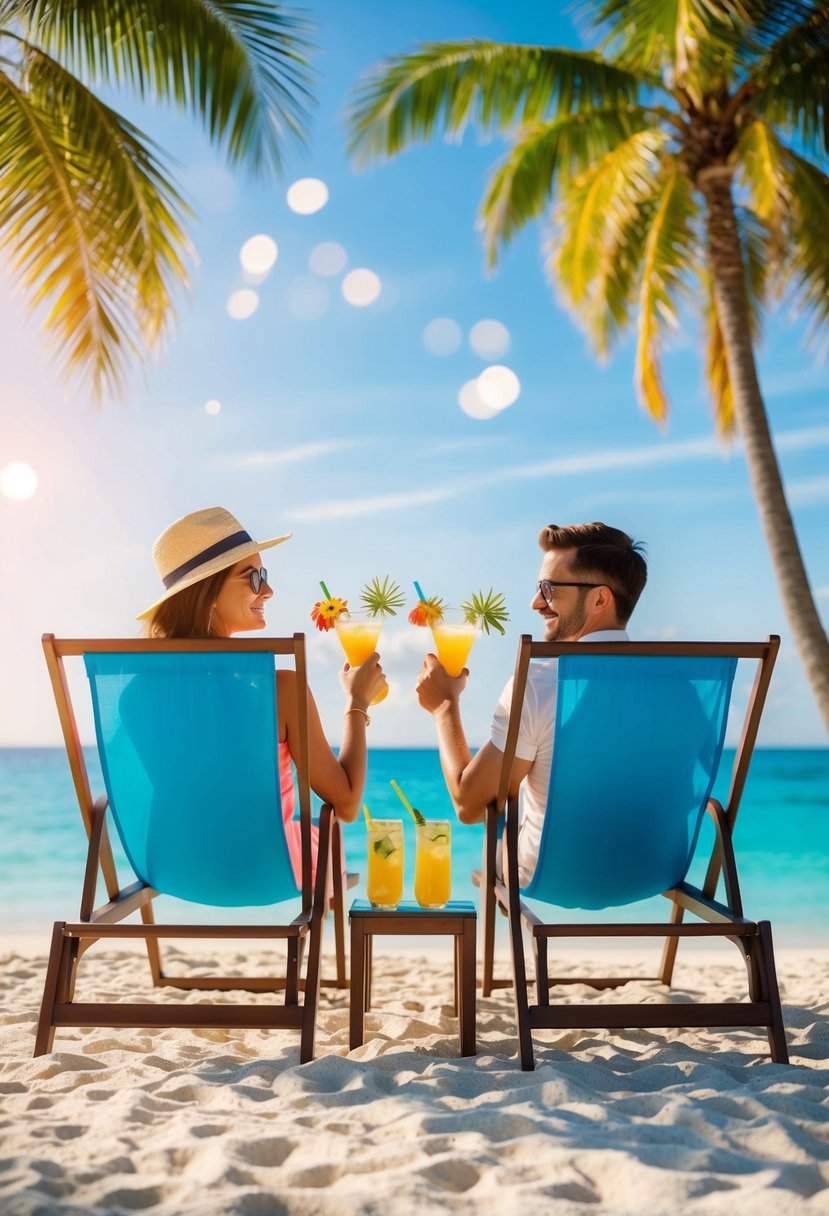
590,579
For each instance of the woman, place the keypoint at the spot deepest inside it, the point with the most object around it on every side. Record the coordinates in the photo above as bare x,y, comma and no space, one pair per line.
215,586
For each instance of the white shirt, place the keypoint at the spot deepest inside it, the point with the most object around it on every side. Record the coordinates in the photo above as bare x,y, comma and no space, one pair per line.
535,743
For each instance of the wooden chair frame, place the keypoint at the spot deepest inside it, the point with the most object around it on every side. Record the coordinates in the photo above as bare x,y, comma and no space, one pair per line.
71,940
719,919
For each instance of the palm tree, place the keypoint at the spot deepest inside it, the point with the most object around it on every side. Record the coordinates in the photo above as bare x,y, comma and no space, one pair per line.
674,166
93,226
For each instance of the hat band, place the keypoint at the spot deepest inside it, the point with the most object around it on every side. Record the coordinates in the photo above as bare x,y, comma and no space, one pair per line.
221,546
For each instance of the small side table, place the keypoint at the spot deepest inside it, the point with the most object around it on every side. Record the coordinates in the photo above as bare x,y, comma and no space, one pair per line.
457,919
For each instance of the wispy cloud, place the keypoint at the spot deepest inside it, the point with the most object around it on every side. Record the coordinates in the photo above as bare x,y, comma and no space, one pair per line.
610,460
822,593
272,457
809,490
349,508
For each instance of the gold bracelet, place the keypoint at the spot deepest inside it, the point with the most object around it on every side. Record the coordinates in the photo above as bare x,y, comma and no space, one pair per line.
355,709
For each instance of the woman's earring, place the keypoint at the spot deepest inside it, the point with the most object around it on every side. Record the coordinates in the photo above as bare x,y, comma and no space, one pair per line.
210,618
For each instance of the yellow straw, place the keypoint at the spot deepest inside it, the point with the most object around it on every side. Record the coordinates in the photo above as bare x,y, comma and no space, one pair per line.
367,814
416,815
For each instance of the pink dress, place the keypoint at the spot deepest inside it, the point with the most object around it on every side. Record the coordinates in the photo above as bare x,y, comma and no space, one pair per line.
293,832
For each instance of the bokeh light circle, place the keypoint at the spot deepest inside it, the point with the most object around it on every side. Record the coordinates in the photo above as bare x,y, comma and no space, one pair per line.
489,339
307,195
469,399
18,480
327,259
212,407
242,304
442,336
361,287
258,254
498,386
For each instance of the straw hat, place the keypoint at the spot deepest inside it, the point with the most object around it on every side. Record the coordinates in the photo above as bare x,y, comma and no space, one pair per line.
198,545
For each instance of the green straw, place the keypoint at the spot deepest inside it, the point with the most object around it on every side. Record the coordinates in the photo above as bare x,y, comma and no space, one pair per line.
420,594
325,590
417,815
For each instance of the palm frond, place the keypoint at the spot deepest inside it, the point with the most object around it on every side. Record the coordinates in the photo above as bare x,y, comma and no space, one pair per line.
760,157
94,227
241,65
597,240
524,182
792,79
809,263
691,42
497,85
717,375
664,278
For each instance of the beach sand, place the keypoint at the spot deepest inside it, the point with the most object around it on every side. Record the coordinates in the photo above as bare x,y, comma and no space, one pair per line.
208,1122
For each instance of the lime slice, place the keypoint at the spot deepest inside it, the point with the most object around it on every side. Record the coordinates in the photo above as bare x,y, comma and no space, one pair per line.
384,847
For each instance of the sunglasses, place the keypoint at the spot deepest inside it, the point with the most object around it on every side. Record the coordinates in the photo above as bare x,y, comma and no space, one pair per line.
547,587
257,578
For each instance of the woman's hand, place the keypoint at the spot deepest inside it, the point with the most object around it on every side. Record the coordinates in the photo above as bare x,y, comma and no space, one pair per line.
362,684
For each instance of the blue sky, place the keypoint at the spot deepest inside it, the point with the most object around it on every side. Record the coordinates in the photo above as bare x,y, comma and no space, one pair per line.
345,429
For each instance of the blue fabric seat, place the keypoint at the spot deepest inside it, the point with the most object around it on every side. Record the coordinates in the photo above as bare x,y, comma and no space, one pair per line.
188,750
188,743
637,745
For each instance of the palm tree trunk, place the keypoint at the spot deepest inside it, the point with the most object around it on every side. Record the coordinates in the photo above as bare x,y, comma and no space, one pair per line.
725,260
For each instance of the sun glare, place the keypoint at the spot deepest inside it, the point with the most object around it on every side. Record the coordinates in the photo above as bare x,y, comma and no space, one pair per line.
242,304
18,480
498,386
258,254
469,399
212,406
361,287
489,339
307,195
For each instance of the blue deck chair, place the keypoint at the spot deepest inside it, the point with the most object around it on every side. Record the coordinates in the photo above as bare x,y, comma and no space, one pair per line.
187,740
638,743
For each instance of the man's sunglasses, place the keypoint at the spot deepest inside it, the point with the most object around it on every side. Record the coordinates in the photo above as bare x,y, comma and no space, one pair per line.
257,578
547,587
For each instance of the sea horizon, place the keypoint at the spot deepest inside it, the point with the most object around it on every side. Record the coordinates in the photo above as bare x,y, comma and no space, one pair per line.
781,837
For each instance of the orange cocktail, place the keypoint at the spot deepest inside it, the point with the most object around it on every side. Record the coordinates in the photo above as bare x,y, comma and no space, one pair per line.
384,882
433,863
454,638
359,634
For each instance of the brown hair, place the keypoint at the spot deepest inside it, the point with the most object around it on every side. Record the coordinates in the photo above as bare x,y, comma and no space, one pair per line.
606,553
187,613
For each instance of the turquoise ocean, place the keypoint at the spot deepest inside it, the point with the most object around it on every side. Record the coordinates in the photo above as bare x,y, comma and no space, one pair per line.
781,838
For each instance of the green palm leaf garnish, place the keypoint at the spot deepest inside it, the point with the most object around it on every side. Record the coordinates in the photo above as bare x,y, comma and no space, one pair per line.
487,609
382,598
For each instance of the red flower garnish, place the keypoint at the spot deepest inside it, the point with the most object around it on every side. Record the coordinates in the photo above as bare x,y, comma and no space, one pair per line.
426,612
325,613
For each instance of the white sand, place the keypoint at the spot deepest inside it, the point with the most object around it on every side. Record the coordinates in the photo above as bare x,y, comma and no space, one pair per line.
177,1122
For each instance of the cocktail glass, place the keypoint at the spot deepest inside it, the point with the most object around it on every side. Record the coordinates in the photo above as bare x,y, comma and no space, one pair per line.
384,884
454,638
433,863
359,633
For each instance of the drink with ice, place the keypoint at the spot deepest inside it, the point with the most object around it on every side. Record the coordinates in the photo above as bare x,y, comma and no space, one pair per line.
384,882
433,863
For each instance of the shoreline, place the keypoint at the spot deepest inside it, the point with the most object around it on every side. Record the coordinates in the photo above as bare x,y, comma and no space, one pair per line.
31,944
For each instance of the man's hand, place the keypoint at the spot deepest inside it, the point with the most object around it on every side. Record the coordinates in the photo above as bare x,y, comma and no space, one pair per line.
435,689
